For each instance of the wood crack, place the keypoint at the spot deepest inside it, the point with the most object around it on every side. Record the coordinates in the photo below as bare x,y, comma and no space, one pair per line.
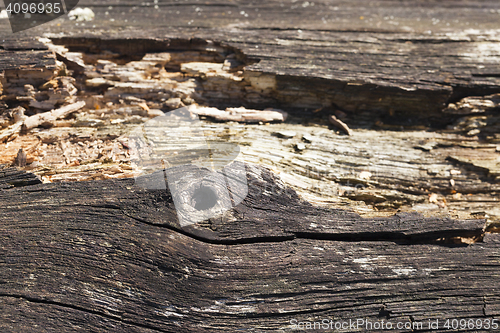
443,237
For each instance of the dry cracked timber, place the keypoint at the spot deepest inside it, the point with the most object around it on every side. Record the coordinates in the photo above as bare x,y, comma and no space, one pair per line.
384,167
416,82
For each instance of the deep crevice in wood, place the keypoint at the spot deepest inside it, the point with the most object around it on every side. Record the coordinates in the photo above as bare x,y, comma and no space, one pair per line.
325,91
283,206
449,238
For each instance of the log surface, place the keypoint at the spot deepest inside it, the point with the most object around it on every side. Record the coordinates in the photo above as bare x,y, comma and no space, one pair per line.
110,256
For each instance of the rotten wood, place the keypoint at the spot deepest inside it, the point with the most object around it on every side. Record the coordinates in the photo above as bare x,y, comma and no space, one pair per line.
224,69
477,104
140,78
361,58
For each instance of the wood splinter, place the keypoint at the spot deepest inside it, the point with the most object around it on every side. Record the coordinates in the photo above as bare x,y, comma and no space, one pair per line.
21,158
340,124
48,118
240,114
11,132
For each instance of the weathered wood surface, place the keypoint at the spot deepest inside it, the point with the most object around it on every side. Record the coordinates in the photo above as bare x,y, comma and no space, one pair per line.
453,171
108,256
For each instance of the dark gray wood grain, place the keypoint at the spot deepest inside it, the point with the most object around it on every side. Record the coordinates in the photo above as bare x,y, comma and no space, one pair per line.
12,177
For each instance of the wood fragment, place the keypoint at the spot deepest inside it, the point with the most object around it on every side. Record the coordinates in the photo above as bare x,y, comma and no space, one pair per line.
285,134
340,124
474,104
300,146
241,114
11,131
21,158
17,114
48,118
